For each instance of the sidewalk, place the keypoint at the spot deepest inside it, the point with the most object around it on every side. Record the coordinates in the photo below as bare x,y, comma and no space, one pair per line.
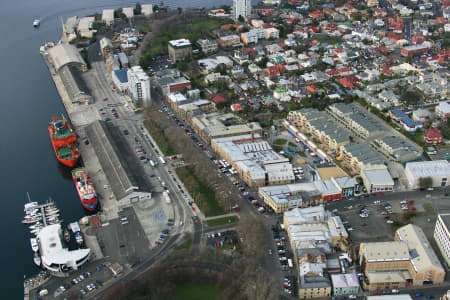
222,216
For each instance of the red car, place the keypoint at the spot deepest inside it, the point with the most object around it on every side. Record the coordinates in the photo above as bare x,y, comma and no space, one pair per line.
380,194
412,208
193,208
410,202
182,191
157,243
106,99
170,172
363,224
204,149
376,294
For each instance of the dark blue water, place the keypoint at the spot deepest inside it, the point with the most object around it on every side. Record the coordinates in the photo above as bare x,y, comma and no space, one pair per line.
28,100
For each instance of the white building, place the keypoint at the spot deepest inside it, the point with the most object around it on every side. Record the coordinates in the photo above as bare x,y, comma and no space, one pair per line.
139,86
108,16
438,171
443,110
85,27
442,236
54,256
147,9
128,11
377,180
242,8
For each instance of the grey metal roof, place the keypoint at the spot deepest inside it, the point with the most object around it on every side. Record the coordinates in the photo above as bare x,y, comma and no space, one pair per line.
63,54
119,163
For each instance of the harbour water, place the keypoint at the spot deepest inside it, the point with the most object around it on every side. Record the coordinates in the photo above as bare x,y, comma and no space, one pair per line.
28,100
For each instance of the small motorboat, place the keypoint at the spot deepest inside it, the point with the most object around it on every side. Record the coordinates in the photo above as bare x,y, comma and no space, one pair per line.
66,235
52,212
36,23
79,238
36,230
37,259
34,244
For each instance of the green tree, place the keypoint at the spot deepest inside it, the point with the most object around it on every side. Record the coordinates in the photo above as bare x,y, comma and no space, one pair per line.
263,62
180,10
357,17
138,9
425,182
241,19
408,59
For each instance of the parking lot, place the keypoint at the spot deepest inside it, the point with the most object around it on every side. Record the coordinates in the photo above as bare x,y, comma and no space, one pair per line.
81,283
223,240
124,239
281,252
366,229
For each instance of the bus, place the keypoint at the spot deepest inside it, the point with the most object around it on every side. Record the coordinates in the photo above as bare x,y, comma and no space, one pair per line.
161,159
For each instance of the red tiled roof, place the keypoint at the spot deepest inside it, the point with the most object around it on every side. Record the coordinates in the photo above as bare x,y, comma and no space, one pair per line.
433,133
219,99
273,71
386,71
236,107
311,89
316,13
345,83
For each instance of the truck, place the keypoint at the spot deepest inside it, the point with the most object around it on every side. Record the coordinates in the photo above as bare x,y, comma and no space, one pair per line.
161,159
291,265
166,197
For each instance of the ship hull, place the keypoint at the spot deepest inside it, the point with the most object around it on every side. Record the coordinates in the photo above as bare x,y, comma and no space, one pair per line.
88,204
61,140
67,162
89,207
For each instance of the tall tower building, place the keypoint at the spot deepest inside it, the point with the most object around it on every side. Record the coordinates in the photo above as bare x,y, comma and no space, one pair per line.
139,86
242,8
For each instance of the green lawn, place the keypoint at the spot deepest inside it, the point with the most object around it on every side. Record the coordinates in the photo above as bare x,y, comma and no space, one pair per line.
328,40
280,142
197,28
277,148
301,153
186,245
196,291
158,136
222,221
203,195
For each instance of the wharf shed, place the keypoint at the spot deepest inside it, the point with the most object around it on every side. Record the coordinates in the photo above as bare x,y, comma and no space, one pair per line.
121,167
64,54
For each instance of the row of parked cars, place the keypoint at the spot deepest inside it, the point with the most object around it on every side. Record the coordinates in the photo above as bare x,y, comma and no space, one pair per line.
224,238
290,285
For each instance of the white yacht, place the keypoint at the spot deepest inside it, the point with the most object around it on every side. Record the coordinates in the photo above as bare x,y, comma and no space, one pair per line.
36,23
37,259
34,244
